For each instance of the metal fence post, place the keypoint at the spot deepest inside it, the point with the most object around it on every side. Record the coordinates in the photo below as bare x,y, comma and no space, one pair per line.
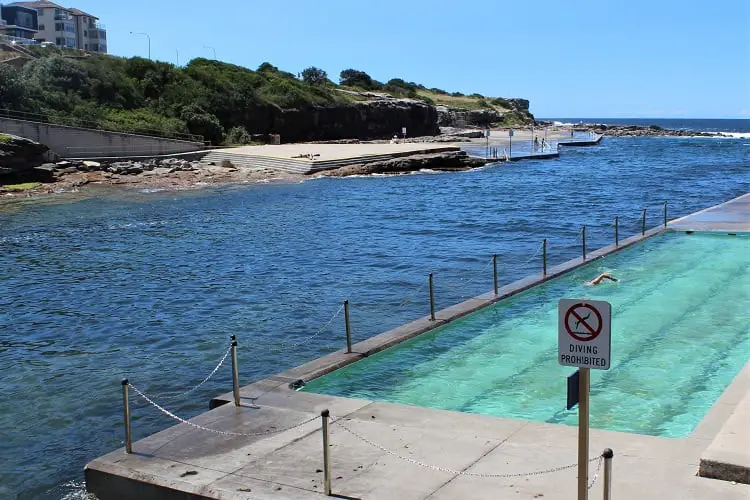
494,270
665,213
617,231
432,300
348,327
643,223
235,373
583,242
126,407
608,454
544,257
325,415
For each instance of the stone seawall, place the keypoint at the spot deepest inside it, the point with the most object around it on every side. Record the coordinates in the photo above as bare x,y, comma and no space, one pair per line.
74,142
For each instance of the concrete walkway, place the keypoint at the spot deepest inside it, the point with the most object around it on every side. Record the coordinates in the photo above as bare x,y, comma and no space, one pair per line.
326,152
289,464
732,216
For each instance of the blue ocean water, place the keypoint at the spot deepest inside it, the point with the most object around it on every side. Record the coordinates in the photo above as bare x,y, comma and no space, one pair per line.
150,285
737,125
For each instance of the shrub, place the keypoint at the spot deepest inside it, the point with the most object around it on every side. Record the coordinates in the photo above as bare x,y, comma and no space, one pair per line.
499,101
356,78
237,136
314,76
12,89
202,123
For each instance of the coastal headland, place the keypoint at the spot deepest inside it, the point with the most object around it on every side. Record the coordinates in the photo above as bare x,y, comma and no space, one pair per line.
455,150
255,118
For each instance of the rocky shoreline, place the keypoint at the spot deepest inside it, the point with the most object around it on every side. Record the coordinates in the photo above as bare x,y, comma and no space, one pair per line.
641,131
158,174
445,162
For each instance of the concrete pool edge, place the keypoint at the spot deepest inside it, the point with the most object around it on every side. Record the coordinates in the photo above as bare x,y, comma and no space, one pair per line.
646,466
728,456
298,376
321,366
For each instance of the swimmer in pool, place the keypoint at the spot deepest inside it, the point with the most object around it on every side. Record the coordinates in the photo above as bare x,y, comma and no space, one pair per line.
600,278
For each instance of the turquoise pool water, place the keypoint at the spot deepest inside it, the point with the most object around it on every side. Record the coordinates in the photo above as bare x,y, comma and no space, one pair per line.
680,334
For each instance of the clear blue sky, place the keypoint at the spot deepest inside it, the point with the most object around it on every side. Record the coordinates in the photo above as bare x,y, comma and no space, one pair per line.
571,58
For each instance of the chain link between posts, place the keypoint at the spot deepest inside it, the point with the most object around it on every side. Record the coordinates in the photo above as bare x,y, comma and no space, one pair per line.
293,345
471,474
539,249
215,431
469,281
213,372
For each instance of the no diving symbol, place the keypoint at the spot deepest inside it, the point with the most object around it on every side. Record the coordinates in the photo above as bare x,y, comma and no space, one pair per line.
583,322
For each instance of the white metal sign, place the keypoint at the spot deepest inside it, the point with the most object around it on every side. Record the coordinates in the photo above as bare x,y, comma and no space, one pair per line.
403,130
584,330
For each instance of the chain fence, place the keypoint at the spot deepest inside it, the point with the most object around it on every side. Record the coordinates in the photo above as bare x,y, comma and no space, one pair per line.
200,384
507,475
457,286
406,301
215,431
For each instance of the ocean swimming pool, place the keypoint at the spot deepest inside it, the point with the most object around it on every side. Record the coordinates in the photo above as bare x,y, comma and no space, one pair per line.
680,334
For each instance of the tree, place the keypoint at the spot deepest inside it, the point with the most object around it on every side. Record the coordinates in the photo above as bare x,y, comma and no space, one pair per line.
12,90
202,123
356,78
314,76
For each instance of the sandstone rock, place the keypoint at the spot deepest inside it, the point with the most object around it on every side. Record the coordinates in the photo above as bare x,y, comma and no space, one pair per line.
453,160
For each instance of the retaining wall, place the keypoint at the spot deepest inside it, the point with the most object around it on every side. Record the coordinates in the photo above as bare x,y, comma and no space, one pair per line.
74,142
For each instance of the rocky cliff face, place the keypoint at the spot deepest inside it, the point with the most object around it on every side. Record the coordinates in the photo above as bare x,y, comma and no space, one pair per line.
379,119
448,117
517,114
19,155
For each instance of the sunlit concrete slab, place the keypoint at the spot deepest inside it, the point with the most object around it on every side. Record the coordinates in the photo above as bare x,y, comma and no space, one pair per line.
385,451
327,152
732,216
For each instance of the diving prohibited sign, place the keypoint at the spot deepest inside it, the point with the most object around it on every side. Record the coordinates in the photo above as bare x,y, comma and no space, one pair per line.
584,333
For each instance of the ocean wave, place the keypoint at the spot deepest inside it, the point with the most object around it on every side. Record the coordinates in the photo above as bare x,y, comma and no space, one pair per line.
737,135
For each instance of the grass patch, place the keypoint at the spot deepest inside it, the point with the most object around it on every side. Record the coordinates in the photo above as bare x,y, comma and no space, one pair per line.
4,139
21,187
460,102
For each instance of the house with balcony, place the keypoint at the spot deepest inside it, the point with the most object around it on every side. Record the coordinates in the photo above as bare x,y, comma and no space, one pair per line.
67,27
91,34
18,21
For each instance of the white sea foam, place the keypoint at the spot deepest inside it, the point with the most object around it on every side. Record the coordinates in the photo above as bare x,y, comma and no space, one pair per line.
737,135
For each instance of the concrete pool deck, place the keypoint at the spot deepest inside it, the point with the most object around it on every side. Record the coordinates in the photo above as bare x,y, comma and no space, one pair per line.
186,462
732,216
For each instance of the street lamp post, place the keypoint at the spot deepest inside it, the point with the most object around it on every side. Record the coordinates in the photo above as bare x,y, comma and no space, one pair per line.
207,47
149,41
178,56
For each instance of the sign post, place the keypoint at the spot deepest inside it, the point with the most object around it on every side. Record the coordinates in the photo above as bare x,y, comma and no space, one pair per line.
510,146
403,132
584,340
